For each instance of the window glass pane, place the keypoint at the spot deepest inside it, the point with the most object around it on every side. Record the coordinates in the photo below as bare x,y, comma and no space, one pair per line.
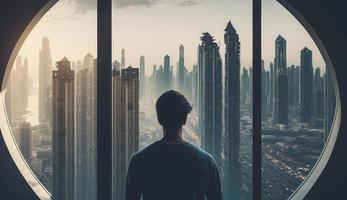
201,49
50,100
298,102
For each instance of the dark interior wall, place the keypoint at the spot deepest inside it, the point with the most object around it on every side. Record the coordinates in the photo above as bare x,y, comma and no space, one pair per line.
15,15
328,19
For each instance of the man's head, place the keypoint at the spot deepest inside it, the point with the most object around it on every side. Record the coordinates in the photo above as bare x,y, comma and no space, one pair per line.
172,110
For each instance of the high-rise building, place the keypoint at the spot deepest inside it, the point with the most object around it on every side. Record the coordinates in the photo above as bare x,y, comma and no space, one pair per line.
195,90
85,134
160,81
63,131
272,84
210,96
281,84
267,92
122,62
318,95
152,84
291,85
306,89
142,77
45,81
232,113
25,141
19,89
263,87
181,67
125,99
167,74
245,87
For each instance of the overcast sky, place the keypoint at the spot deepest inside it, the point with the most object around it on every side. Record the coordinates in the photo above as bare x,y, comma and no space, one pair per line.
154,28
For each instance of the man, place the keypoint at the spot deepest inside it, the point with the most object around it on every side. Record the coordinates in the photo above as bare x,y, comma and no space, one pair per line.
172,168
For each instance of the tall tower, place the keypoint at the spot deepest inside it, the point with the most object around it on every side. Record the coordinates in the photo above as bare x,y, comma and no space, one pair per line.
25,140
232,112
272,89
142,76
318,96
281,88
210,96
45,81
63,132
85,134
245,87
167,73
181,67
122,64
306,88
125,99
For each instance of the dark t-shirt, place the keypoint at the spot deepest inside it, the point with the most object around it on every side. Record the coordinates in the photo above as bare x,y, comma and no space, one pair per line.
164,171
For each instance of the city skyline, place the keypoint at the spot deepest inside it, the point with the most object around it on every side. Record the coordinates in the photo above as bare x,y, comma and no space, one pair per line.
81,34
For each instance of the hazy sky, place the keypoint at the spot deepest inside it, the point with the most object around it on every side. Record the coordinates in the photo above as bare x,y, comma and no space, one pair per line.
154,28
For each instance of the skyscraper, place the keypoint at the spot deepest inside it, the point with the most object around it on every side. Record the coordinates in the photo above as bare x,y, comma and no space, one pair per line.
45,81
63,131
291,85
281,88
245,87
318,95
21,87
25,141
232,112
160,81
142,76
122,64
85,134
210,96
125,99
306,89
167,74
272,89
181,67
263,87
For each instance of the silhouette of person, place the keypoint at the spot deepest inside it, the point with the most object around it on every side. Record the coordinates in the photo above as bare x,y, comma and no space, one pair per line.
172,168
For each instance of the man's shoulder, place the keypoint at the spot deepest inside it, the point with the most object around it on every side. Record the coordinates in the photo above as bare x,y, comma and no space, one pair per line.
189,147
146,150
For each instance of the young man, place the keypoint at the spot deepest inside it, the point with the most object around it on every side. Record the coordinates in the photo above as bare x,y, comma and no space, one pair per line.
172,168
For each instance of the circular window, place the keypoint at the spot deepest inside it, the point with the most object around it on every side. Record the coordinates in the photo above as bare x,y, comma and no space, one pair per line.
202,49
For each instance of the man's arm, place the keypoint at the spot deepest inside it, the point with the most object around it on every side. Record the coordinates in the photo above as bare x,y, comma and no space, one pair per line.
214,188
133,191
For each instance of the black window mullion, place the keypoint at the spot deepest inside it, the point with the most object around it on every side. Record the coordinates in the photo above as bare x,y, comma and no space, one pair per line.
104,100
257,153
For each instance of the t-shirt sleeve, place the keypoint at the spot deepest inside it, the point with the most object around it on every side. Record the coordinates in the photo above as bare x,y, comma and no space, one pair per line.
133,191
214,189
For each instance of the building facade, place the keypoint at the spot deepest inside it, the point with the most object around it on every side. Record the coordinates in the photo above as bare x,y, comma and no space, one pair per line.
232,112
63,131
125,99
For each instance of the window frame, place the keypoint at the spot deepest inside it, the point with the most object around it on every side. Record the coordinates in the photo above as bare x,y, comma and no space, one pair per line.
104,115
